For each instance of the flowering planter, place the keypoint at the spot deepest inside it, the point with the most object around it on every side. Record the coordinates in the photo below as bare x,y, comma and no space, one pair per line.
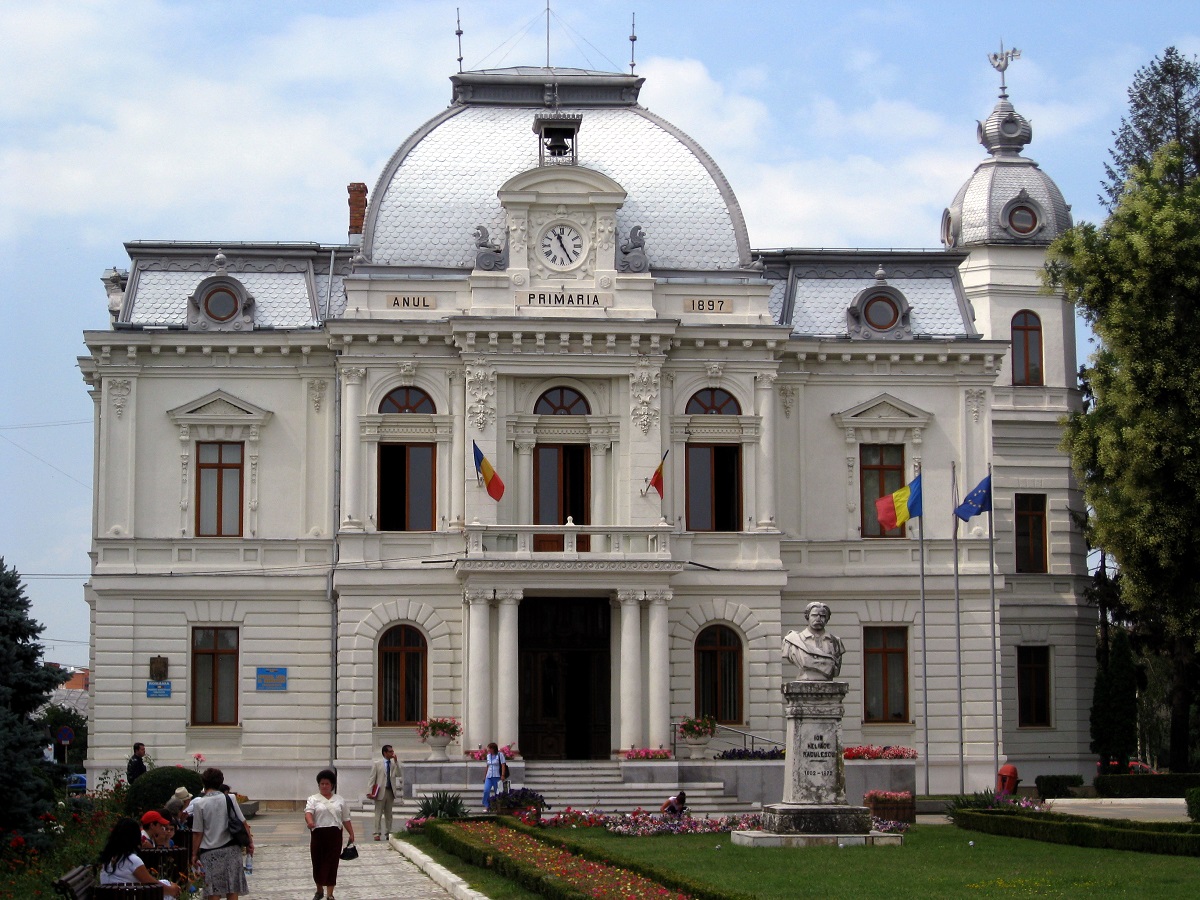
437,746
505,810
696,746
894,810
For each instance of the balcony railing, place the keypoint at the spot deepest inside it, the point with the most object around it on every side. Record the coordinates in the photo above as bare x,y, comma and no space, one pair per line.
529,541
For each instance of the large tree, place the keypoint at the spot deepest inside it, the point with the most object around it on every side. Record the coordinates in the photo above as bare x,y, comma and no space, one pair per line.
1136,281
1164,107
25,684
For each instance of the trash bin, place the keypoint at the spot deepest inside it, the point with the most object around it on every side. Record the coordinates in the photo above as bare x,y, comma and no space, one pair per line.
1007,780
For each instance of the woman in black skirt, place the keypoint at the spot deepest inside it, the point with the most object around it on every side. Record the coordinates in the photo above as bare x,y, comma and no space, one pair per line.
325,814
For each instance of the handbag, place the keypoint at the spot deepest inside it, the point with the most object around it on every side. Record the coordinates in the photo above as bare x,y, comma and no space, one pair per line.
237,828
350,851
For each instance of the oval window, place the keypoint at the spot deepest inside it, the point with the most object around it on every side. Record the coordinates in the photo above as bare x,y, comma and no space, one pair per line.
220,305
881,313
1022,219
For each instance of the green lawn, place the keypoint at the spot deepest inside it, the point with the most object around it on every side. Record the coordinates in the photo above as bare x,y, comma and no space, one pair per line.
935,861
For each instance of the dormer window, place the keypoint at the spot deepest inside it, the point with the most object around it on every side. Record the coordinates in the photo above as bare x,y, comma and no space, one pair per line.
879,311
1021,216
220,303
557,138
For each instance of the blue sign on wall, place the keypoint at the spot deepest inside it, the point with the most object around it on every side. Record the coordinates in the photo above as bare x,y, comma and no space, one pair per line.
271,678
158,689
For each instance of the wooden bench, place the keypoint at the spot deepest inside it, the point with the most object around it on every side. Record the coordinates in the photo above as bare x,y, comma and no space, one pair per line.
81,883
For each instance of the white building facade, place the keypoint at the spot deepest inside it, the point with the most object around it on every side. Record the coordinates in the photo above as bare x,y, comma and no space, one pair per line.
290,531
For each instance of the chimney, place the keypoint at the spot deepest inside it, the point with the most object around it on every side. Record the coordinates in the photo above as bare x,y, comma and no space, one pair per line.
358,211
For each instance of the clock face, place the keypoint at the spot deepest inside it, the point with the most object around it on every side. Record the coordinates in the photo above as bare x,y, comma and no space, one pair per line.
561,246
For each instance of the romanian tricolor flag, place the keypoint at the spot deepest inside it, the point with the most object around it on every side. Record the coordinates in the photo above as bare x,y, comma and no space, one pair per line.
491,481
893,510
656,480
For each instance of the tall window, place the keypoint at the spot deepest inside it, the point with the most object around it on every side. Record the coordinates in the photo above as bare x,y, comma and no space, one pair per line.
406,487
713,402
885,674
219,489
402,666
714,487
214,676
1027,348
407,475
1030,511
1033,687
719,674
880,472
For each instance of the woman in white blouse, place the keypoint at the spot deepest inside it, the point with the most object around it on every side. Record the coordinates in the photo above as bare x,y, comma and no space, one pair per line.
325,814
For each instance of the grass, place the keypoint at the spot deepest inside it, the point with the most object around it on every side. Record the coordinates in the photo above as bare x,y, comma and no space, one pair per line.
936,861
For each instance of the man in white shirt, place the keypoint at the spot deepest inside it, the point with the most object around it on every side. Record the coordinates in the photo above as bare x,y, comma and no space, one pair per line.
387,782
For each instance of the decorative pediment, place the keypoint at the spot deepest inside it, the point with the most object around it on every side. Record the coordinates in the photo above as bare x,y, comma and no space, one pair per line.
219,416
884,419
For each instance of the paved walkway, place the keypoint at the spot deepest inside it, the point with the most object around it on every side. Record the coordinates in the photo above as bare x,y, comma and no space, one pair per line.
283,871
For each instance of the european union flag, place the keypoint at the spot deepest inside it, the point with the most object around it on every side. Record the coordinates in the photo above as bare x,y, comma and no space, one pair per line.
976,502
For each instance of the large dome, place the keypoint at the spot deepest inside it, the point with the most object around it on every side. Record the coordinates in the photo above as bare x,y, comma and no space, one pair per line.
442,182
1008,199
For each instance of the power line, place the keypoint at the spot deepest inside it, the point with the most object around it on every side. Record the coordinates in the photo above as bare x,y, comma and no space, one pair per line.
88,487
45,424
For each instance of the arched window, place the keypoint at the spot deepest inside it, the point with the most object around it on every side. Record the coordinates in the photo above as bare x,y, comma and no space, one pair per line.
713,401
1027,348
561,401
719,674
407,400
403,662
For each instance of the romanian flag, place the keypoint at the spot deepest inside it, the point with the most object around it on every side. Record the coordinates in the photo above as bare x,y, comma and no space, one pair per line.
893,510
491,481
656,480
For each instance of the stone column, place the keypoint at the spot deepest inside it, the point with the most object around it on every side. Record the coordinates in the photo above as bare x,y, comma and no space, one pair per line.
764,494
479,669
659,676
352,448
631,668
507,716
524,482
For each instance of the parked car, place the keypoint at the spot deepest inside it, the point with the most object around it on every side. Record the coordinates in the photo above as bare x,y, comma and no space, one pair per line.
76,784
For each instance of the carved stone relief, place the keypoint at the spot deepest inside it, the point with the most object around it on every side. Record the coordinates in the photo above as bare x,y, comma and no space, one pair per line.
481,385
643,389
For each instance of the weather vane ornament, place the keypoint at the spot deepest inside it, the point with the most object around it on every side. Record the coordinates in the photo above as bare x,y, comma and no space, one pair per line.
1000,63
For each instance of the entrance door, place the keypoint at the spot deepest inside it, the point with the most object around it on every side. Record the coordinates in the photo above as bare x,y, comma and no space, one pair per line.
560,489
563,664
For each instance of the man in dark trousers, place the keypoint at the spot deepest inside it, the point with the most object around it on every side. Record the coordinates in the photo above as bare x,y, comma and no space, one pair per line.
137,766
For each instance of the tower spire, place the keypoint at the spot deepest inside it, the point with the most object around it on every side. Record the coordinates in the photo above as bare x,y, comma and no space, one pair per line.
458,33
1000,62
632,40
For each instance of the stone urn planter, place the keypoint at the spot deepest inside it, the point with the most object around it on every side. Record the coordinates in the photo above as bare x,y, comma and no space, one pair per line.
695,747
437,746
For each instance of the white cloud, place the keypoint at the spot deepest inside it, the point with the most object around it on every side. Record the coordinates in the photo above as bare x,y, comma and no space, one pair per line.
720,118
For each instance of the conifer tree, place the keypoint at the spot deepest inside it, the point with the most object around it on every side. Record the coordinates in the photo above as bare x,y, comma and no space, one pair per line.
25,685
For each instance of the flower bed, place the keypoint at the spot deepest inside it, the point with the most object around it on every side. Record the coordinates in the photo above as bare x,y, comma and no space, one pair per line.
871,751
481,754
892,806
647,753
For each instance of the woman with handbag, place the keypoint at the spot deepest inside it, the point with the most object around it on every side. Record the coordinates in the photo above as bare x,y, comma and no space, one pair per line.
219,832
326,814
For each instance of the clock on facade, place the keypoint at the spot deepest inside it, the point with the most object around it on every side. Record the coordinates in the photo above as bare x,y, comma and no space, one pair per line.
561,245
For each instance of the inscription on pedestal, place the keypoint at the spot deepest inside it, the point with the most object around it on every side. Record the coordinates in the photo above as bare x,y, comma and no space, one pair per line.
814,742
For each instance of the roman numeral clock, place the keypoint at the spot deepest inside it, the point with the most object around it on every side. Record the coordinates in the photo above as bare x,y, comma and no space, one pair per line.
562,246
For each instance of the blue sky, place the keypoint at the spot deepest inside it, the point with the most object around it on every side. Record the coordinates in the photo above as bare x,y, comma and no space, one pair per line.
838,125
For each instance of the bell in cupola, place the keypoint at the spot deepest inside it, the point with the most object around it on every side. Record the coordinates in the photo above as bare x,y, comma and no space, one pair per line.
557,138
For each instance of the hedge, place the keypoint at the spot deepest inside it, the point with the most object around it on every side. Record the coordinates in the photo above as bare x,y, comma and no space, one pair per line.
454,840
1169,838
1051,787
1193,803
1145,785
155,788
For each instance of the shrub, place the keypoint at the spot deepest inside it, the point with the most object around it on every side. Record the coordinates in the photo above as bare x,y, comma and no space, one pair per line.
521,798
1171,838
1193,803
757,753
1170,785
1051,787
155,788
442,805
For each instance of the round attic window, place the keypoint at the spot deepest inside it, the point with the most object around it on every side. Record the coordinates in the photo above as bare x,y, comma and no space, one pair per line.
881,312
1022,219
220,304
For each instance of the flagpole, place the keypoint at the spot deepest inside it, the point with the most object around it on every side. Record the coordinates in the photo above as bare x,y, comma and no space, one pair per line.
962,788
995,614
924,642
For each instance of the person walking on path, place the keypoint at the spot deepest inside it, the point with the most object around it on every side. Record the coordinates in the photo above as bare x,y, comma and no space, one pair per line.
493,774
212,845
386,783
136,767
326,814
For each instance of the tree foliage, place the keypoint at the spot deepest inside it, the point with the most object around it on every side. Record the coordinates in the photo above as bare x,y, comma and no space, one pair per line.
25,684
1164,107
1115,707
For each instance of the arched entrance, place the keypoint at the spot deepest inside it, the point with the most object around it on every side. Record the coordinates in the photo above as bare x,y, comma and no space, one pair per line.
563,676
